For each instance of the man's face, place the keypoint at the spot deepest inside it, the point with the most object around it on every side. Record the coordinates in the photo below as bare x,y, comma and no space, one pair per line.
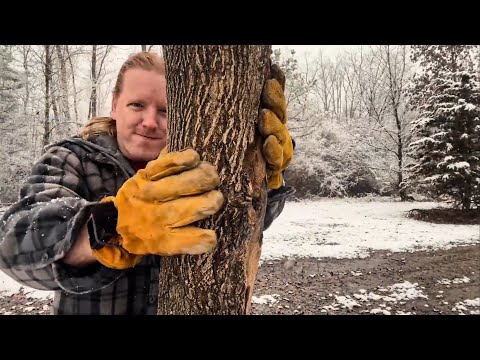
141,115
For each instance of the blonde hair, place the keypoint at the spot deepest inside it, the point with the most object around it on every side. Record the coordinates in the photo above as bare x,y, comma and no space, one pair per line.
144,60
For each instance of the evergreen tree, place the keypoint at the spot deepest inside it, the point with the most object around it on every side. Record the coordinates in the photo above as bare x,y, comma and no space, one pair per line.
447,146
434,60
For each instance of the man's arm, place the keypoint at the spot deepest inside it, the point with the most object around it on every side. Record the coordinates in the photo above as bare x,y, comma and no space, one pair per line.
44,225
276,199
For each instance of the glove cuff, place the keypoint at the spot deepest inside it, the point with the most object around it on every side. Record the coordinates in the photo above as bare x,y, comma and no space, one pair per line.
102,224
116,257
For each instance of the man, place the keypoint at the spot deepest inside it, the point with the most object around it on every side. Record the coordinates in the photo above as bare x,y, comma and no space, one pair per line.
99,210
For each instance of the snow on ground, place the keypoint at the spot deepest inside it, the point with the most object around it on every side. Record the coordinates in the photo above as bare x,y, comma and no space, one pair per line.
340,228
464,305
350,228
265,299
8,287
394,293
454,281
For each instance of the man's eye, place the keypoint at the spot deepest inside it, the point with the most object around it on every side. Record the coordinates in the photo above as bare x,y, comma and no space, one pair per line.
136,105
161,111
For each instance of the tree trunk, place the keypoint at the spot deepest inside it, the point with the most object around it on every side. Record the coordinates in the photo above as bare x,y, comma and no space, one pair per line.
467,197
48,77
92,112
399,152
25,50
213,102
72,71
53,102
64,107
396,74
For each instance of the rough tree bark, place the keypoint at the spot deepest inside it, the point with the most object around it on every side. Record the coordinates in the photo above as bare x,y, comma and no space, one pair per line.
213,101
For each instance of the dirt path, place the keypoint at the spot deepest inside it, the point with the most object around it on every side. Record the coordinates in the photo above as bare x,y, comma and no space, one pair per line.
427,283
440,279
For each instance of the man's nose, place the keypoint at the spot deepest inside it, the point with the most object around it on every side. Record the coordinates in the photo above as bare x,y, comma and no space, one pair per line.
150,119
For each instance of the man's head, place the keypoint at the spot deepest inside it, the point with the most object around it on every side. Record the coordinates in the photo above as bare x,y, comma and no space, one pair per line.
139,107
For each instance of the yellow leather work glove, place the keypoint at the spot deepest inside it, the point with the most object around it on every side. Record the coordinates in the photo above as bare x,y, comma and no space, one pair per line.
116,257
157,206
104,239
277,146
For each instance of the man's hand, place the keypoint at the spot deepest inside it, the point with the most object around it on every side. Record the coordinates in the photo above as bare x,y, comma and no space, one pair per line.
277,146
157,206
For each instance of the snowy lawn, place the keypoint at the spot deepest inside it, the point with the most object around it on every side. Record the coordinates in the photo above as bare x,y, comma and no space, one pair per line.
350,228
342,228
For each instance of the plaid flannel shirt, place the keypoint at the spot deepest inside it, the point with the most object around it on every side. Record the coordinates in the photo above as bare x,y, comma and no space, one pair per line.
55,201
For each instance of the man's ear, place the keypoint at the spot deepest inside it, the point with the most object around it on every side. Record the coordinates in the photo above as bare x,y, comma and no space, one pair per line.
113,113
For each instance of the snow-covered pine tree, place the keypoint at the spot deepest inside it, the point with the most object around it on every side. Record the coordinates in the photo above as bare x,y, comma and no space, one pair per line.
447,146
434,60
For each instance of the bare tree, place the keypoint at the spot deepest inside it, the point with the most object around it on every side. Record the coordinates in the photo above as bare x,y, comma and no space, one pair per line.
350,62
301,80
63,86
213,103
54,93
325,85
47,66
70,56
381,76
92,108
97,71
338,80
396,64
31,60
24,51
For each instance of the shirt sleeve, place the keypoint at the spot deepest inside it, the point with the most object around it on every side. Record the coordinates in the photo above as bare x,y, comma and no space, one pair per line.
39,229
